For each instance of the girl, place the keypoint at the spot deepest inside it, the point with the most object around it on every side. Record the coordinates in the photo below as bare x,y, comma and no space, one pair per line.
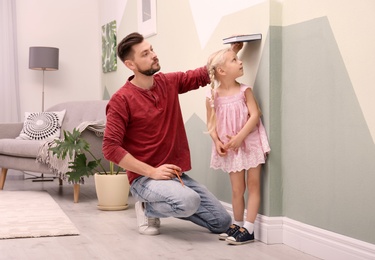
239,140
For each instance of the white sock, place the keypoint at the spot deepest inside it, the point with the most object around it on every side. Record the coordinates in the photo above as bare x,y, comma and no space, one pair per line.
249,226
238,223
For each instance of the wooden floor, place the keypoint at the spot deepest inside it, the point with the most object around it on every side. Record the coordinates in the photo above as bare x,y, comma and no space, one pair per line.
114,235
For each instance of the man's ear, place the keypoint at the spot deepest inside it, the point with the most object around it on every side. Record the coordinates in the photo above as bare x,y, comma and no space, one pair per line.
129,64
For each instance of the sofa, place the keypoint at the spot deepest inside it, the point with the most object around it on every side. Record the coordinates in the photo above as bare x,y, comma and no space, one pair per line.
21,154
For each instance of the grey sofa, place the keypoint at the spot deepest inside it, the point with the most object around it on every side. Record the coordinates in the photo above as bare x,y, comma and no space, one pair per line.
21,154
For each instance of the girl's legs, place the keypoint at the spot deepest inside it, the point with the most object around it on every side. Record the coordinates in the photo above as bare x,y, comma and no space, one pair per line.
237,180
246,233
253,202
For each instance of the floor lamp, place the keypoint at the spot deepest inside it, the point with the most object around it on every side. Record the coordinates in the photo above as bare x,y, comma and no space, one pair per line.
43,58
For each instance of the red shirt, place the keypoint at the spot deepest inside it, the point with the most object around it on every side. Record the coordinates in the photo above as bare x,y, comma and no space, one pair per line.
148,124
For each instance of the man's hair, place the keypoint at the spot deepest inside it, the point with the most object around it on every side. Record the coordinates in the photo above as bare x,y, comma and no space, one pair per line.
124,48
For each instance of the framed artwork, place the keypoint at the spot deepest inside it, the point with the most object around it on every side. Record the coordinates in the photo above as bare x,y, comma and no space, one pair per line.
109,42
147,17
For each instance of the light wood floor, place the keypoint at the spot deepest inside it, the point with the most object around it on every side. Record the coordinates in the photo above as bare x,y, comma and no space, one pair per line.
113,234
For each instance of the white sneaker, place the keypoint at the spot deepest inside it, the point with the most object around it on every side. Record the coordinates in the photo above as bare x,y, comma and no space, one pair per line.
146,226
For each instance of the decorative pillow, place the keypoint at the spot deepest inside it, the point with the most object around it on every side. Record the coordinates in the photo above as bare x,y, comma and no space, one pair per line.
42,125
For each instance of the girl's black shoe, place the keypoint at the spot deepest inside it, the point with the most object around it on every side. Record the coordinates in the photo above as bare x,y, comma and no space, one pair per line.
230,232
242,236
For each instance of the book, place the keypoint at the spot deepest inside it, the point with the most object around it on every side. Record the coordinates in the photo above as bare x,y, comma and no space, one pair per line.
243,38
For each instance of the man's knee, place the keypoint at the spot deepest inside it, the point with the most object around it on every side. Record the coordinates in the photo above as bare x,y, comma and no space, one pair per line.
190,205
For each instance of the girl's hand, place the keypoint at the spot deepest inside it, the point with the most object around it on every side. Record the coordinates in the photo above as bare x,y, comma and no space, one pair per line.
220,149
234,142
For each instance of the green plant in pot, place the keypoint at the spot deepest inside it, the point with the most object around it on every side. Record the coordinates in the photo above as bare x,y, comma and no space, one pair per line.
112,189
77,147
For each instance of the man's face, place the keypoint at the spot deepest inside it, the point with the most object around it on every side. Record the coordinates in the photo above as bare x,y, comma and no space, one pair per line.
145,59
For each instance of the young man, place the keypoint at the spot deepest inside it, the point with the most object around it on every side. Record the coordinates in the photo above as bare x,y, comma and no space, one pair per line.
145,135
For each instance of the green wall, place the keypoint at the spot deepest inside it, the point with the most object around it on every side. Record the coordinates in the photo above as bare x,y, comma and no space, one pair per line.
328,154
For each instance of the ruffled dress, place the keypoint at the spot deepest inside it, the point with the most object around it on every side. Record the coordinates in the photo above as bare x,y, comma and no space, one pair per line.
231,115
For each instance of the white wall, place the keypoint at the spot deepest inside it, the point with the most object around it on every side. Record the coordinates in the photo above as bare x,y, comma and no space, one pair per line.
110,10
73,27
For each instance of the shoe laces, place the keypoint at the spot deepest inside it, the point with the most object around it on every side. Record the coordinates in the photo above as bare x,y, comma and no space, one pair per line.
243,232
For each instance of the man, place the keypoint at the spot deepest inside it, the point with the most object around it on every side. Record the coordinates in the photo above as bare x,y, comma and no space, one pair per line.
145,135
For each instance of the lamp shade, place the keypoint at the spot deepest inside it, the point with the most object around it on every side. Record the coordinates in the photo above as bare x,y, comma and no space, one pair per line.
44,58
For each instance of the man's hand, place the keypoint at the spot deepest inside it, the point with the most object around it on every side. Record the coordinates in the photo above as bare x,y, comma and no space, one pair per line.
236,47
166,172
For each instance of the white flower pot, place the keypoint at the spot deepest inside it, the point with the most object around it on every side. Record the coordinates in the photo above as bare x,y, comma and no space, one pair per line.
112,191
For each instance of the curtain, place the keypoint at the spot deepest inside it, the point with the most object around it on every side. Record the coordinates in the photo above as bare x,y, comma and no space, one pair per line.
9,87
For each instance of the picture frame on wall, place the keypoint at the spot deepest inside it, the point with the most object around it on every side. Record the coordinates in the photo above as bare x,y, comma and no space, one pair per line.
109,43
146,17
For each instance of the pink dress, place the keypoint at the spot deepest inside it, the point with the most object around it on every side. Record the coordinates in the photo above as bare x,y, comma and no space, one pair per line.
231,115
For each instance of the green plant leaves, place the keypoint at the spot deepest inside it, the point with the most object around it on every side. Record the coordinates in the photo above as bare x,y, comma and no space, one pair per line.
79,167
75,147
71,144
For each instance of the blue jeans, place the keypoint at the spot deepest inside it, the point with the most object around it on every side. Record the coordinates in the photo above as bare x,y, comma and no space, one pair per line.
193,202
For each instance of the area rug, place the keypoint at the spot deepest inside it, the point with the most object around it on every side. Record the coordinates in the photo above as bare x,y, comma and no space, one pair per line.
27,214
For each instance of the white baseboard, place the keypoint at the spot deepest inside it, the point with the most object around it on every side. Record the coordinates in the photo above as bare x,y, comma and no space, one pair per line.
325,244
309,239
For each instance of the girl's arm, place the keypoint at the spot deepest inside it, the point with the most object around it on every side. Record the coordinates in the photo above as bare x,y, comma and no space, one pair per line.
212,130
252,106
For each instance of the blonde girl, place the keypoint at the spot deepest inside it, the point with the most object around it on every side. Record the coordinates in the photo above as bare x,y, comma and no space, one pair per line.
240,143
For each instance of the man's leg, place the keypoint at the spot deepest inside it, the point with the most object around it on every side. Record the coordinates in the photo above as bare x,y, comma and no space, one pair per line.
168,198
161,198
165,198
211,214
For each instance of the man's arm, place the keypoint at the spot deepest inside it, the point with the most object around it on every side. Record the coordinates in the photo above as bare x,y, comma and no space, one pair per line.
191,79
163,172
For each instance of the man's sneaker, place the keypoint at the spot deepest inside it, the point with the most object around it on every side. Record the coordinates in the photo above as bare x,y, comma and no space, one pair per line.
146,226
230,231
242,236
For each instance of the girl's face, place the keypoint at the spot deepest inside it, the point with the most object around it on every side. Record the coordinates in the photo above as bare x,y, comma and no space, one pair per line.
232,66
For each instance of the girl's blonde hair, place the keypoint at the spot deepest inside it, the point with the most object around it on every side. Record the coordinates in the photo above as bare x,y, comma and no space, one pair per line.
214,61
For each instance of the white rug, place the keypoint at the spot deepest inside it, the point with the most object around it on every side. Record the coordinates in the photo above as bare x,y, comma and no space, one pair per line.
32,214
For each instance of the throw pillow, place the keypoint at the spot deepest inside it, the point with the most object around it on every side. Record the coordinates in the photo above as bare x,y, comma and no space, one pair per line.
42,125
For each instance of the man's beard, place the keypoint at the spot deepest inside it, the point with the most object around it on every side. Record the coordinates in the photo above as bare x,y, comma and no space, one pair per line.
150,71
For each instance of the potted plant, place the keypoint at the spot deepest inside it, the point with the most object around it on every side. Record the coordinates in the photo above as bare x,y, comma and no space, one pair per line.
115,183
112,189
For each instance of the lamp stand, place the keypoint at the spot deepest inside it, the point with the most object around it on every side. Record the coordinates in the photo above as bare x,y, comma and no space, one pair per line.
43,92
36,178
43,58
